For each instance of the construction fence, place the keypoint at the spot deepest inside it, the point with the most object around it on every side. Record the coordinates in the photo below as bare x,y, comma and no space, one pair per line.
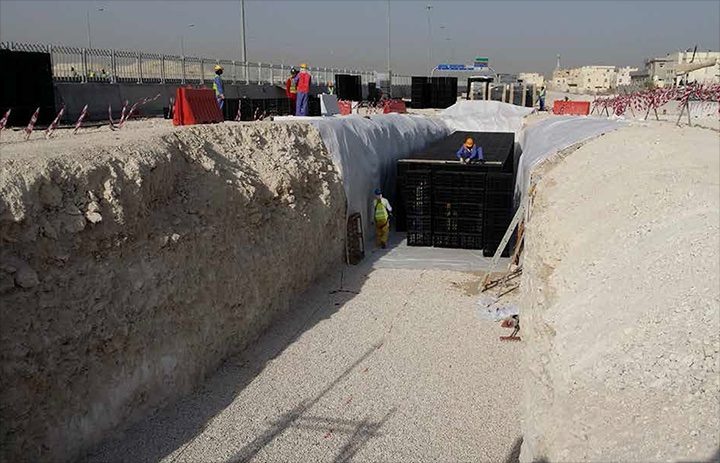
76,64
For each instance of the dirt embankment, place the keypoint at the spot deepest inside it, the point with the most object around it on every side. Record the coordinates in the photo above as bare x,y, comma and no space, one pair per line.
621,300
133,262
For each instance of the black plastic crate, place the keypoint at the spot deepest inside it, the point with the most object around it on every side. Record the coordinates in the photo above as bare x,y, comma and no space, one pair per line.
499,181
446,240
458,195
459,209
458,225
419,238
419,223
498,200
470,241
458,179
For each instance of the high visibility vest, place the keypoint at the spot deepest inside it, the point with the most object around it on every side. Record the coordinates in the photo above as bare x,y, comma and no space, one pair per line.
381,213
215,87
293,86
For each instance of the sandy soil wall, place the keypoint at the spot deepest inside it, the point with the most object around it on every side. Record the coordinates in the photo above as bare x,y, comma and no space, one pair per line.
133,262
621,300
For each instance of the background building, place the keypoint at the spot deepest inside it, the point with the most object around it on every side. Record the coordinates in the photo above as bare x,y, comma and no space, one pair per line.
624,77
532,78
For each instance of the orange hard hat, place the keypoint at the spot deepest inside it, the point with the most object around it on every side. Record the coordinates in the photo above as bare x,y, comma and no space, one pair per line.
469,142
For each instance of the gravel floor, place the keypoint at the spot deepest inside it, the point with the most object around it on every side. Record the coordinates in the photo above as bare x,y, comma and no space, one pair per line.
395,367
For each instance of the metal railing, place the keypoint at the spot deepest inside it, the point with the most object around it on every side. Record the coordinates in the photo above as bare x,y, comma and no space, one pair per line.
73,64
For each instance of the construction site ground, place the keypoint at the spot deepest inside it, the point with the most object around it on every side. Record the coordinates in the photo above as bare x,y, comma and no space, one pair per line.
394,365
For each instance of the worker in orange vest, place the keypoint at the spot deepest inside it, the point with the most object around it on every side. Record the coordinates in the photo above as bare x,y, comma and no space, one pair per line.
303,81
291,90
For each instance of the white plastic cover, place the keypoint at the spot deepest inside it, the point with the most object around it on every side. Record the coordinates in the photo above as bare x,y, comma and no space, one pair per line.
365,150
485,116
543,139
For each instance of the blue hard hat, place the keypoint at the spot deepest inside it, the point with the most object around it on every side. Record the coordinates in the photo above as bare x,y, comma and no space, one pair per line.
378,191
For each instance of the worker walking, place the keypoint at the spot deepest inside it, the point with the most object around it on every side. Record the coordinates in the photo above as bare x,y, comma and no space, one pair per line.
218,86
303,81
469,152
381,214
291,90
541,98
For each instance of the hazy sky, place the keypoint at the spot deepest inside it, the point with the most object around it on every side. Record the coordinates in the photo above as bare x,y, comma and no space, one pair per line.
517,36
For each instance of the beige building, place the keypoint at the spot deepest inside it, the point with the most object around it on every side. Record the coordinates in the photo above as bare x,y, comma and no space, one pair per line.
532,78
586,79
669,70
624,76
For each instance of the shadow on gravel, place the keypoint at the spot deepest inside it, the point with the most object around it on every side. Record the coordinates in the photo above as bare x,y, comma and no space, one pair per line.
174,428
360,432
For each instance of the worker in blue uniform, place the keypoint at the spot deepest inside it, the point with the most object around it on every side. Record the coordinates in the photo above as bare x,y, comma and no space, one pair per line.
469,152
218,86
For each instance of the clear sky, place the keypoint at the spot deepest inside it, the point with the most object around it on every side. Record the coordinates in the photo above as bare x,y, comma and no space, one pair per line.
517,36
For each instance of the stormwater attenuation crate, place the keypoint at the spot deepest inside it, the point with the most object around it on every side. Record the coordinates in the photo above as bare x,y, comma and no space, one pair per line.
444,203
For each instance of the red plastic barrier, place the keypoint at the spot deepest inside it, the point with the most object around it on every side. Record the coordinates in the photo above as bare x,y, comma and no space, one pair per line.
394,106
345,107
573,108
196,106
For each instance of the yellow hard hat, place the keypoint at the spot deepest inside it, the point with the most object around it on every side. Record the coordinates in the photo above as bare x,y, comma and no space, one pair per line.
303,66
218,67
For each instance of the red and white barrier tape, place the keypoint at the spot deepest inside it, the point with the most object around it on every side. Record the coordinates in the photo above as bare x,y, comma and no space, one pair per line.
237,116
51,128
31,124
80,119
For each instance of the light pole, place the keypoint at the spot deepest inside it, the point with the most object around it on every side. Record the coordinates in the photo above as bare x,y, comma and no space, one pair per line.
243,47
430,65
389,71
182,42
87,21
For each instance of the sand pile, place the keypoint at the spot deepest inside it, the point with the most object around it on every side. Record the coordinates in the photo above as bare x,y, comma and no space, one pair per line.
621,300
135,261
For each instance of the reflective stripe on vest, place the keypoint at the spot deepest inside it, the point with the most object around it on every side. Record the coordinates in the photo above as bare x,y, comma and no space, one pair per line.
293,87
381,213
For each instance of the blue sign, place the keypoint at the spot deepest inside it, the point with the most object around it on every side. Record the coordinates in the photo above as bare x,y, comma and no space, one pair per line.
453,67
480,65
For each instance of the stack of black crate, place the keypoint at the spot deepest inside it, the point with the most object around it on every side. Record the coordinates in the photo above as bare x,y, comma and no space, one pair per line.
420,92
458,193
348,87
443,203
415,194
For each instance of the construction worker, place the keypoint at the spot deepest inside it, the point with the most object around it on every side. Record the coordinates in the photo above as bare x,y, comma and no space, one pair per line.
469,152
291,90
303,81
218,86
331,87
381,214
541,98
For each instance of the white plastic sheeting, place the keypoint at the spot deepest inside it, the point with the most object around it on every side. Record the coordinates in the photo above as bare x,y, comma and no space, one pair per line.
485,116
365,151
545,138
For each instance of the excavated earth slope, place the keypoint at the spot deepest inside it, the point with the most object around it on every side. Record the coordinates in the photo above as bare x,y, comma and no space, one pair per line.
134,261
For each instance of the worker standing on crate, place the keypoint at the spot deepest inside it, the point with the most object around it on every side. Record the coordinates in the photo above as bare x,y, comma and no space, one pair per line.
218,86
381,214
470,152
291,90
302,80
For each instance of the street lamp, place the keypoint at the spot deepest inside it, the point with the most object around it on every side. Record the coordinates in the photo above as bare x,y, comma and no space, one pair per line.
182,42
87,21
389,71
430,65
